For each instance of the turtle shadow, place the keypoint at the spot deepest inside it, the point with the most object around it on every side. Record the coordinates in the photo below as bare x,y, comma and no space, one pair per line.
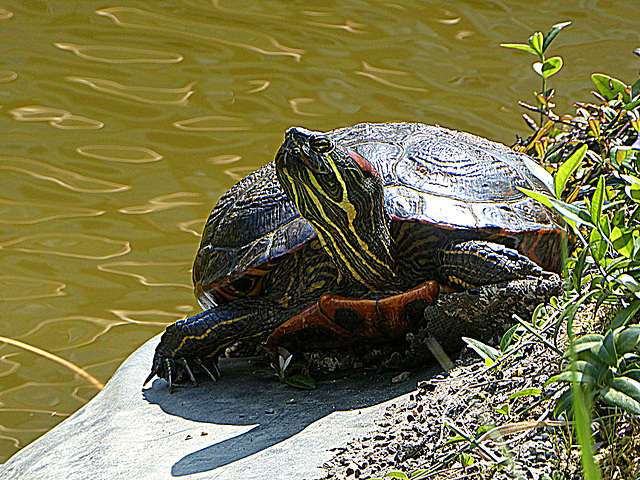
273,411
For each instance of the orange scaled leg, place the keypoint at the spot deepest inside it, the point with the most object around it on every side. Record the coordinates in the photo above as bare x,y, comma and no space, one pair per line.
385,317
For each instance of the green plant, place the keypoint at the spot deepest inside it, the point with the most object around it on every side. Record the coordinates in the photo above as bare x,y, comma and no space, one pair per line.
608,366
282,369
596,189
537,44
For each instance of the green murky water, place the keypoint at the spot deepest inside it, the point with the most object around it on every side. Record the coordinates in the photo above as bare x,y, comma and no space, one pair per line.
121,126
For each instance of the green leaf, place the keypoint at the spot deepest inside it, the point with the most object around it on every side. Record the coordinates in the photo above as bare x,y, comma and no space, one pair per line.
633,192
578,268
566,170
519,46
553,379
507,338
597,200
584,367
627,339
418,473
548,38
564,402
607,86
629,282
572,214
539,172
456,439
525,392
485,351
581,410
535,41
623,241
400,475
599,245
570,376
504,410
301,381
625,315
482,429
606,352
624,393
585,342
634,374
548,67
635,91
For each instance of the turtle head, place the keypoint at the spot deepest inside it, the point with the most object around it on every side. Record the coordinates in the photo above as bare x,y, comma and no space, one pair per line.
341,194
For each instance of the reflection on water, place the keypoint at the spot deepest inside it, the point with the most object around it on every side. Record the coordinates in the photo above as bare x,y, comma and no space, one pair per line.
158,108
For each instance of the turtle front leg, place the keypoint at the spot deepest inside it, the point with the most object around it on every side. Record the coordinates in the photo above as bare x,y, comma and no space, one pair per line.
195,343
476,263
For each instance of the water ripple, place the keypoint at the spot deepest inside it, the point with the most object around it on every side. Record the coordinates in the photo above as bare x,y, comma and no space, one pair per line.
238,173
15,287
7,76
151,95
129,316
115,54
74,331
188,226
27,213
120,153
224,159
162,202
65,178
148,273
211,123
295,106
348,25
261,85
76,245
375,73
152,21
56,117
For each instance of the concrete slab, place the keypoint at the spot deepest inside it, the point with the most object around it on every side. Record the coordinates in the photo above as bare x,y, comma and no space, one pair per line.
243,426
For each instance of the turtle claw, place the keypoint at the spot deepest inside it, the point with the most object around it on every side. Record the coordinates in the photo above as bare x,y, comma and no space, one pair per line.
213,376
185,364
151,375
174,368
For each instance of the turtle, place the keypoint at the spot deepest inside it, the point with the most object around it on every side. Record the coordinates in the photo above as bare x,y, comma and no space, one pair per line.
350,234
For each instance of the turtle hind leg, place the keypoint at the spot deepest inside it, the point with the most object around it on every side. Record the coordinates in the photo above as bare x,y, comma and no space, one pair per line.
475,263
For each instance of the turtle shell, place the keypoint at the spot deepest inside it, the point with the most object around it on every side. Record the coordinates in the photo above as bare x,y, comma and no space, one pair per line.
451,180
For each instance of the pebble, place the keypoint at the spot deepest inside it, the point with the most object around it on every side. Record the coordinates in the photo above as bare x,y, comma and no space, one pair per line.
403,377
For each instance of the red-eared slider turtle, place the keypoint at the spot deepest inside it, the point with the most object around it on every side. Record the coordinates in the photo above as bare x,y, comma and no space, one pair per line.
349,233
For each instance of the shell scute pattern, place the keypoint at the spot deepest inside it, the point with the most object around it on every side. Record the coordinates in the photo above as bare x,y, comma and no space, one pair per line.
252,224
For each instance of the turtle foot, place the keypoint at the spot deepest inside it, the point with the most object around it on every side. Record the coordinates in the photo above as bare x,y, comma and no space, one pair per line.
173,369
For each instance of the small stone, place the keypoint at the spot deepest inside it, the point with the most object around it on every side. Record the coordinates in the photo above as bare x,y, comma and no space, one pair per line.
204,434
291,401
270,411
403,377
189,437
428,386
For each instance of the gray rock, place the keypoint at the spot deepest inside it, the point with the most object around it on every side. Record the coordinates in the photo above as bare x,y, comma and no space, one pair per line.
218,430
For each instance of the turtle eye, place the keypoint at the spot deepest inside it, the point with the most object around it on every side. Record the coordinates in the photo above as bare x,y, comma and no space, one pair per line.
321,144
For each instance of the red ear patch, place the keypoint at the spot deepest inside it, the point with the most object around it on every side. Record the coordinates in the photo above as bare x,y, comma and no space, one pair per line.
360,160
